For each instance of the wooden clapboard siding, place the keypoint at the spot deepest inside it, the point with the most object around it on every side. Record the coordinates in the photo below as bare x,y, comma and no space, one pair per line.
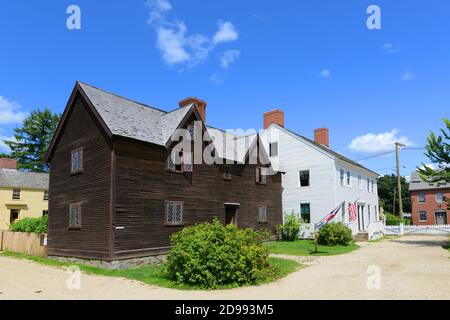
143,185
90,188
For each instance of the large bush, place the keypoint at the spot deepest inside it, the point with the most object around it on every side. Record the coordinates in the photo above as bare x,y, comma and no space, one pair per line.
290,229
32,225
393,220
335,234
211,254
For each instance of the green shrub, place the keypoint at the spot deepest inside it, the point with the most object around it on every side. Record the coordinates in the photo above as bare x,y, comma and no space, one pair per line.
393,220
211,254
290,229
335,234
31,225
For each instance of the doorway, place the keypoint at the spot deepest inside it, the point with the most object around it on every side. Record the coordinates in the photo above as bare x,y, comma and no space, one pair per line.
14,215
441,217
361,218
231,214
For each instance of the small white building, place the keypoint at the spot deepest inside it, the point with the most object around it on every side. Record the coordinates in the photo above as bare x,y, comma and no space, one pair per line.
318,179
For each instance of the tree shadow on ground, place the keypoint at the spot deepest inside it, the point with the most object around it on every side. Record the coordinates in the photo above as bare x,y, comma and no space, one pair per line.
439,242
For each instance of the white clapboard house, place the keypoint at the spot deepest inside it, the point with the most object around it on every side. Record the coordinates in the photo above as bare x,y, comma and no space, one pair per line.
318,179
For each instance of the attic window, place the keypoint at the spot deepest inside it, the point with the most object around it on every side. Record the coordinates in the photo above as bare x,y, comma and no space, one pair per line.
191,131
76,161
261,178
273,149
179,162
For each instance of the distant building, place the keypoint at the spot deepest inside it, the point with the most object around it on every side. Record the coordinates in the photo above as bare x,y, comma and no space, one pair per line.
22,194
428,201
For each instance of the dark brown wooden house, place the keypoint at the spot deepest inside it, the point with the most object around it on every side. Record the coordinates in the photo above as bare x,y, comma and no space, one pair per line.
115,192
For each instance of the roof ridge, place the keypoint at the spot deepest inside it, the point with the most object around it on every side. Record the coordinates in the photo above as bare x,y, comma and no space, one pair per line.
122,97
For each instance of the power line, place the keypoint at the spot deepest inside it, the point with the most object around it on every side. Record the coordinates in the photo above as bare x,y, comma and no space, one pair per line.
386,153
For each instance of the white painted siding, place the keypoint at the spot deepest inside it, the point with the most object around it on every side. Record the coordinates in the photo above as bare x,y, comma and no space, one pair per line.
325,191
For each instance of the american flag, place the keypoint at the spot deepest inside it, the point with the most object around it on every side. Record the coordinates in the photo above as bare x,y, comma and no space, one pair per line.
353,211
329,217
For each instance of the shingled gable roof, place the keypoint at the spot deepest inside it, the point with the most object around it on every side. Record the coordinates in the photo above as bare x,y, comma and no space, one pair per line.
131,119
325,149
23,180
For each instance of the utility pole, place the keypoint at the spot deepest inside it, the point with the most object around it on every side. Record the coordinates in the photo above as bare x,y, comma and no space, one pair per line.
394,208
399,181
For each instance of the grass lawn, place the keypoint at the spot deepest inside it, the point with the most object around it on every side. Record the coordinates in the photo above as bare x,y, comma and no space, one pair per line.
306,248
152,274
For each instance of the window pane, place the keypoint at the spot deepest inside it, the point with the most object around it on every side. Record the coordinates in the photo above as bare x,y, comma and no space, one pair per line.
423,216
273,149
422,198
304,178
439,197
342,178
348,178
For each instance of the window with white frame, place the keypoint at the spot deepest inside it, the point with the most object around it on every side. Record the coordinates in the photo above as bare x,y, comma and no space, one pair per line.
273,149
369,213
342,174
305,212
368,185
262,214
421,197
422,215
75,215
439,197
304,178
76,158
174,212
349,179
360,186
46,195
373,190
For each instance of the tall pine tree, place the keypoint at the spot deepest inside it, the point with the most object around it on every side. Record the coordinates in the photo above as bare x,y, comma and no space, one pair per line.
32,140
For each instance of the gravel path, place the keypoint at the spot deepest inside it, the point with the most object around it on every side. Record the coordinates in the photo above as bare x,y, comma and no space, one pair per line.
413,267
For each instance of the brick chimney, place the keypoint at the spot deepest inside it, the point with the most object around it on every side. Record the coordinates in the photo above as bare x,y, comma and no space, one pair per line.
275,116
6,163
321,136
200,104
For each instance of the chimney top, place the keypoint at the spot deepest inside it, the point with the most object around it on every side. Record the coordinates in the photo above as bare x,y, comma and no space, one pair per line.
200,104
7,163
321,136
274,116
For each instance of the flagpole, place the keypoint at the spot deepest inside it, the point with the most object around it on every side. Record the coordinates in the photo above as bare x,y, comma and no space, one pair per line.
315,238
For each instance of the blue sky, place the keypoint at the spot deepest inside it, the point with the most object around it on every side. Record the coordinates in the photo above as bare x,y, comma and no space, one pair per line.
314,59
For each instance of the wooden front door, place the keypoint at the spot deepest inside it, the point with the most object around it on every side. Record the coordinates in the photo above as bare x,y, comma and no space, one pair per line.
230,215
441,217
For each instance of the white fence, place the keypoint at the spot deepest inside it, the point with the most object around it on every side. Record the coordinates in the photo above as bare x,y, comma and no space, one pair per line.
424,229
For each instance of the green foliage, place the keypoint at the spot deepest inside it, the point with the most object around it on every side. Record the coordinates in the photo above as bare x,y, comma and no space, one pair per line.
335,234
386,186
211,255
4,155
31,225
393,220
438,151
32,140
290,229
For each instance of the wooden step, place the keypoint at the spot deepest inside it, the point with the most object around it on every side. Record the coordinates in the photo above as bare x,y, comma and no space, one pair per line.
362,237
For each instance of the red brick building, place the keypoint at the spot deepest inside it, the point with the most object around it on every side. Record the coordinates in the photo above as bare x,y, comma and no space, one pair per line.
429,202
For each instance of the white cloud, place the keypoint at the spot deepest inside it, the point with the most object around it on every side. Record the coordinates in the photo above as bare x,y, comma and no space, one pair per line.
176,45
325,73
10,112
215,79
3,146
229,57
227,32
390,48
408,75
375,143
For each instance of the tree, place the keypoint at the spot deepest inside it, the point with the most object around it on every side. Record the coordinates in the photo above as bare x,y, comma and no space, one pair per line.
438,151
32,140
386,186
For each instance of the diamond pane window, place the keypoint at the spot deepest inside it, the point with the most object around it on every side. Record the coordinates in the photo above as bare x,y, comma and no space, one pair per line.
174,211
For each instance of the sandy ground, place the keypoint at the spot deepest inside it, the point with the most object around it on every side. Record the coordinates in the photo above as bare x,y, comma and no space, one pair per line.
413,267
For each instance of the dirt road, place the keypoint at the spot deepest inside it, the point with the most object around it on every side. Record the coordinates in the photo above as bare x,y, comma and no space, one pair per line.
413,267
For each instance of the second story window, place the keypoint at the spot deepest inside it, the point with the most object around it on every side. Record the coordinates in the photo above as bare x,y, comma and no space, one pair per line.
76,161
174,162
304,178
368,185
16,194
421,197
273,149
349,179
342,172
360,184
373,189
439,197
45,195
